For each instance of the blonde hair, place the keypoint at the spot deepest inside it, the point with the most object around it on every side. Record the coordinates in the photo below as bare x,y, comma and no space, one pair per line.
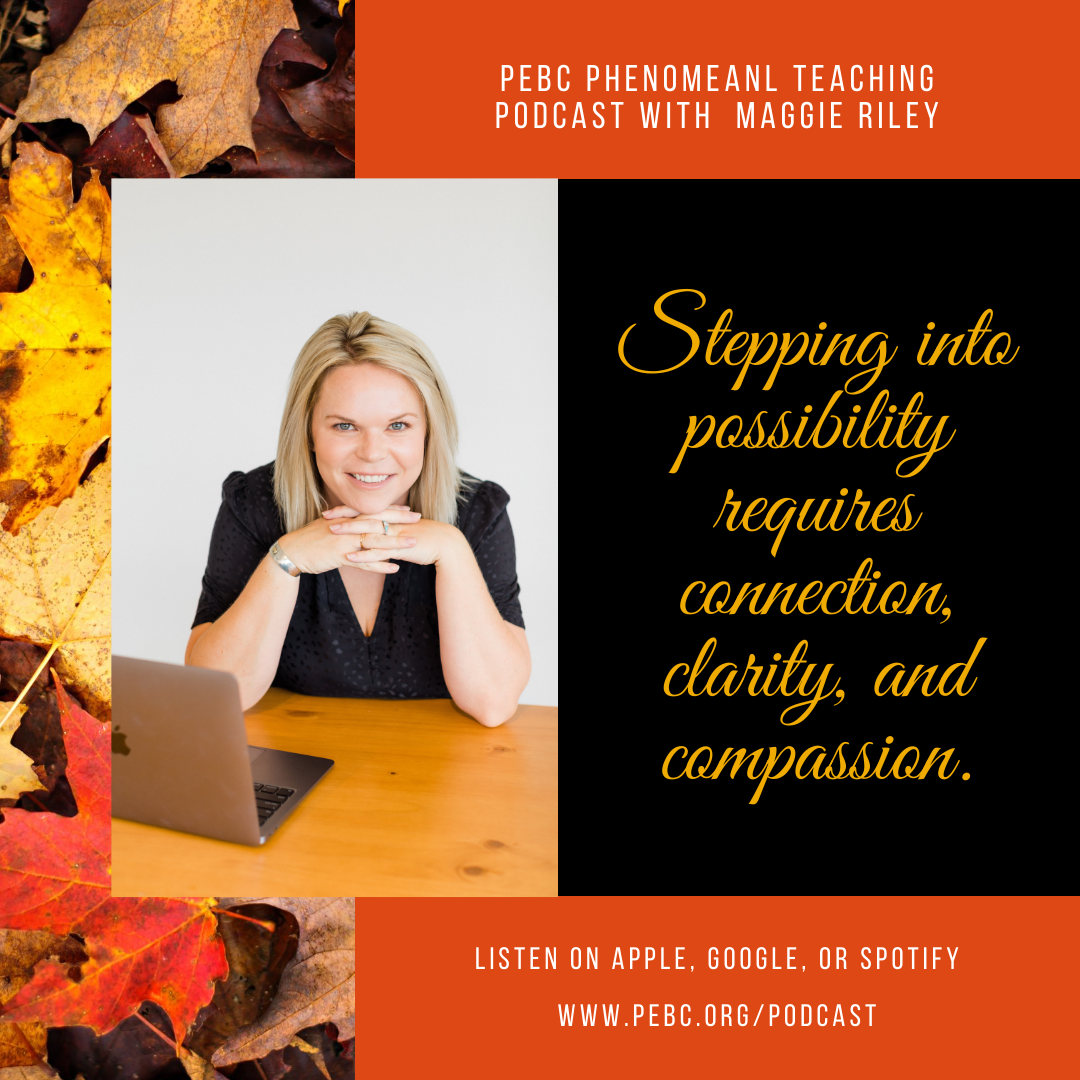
364,339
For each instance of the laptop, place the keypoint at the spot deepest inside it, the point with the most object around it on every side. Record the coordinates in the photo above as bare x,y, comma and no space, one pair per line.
180,757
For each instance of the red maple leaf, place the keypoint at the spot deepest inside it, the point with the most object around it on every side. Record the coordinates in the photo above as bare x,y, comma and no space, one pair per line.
54,875
55,870
151,948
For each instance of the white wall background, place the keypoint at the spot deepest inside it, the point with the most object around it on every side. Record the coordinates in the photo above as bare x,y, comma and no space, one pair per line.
217,285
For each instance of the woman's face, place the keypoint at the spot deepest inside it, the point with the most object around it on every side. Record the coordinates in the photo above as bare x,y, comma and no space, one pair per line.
368,431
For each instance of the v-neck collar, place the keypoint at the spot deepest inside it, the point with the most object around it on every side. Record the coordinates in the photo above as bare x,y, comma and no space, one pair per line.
342,603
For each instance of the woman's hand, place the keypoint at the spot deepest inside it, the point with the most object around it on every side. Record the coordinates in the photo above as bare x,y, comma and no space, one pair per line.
319,547
431,539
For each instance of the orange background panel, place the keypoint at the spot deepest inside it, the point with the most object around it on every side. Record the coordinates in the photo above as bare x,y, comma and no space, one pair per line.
429,76
1008,1009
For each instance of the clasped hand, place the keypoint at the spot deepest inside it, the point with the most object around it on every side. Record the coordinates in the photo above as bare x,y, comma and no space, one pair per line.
334,540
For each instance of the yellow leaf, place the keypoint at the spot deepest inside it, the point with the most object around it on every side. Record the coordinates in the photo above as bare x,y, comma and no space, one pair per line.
16,774
341,6
55,337
55,578
121,48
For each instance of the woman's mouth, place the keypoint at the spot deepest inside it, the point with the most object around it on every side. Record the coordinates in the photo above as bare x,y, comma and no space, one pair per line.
370,480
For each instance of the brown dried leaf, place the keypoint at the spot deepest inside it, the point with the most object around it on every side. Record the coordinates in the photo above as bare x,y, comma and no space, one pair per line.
121,48
326,108
317,987
139,1048
281,147
257,957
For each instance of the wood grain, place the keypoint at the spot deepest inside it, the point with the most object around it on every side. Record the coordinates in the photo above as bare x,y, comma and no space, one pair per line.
422,801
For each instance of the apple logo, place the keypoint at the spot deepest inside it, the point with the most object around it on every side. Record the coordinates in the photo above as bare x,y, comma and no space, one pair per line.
119,742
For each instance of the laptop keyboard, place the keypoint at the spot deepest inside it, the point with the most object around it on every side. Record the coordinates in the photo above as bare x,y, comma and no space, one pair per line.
268,798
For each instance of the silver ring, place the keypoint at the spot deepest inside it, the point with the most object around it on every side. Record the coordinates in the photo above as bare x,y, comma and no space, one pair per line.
386,528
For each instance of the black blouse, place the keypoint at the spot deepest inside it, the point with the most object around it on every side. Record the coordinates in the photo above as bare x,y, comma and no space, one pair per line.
325,652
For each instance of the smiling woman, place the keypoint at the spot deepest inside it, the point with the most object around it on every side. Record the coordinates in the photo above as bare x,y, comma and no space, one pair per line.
304,586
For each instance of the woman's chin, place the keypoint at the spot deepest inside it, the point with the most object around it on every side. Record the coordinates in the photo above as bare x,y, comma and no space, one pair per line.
373,503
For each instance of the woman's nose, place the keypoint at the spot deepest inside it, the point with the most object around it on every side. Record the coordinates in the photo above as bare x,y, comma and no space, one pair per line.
371,446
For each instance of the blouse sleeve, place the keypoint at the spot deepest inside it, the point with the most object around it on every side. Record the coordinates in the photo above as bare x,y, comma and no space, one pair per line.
236,549
487,528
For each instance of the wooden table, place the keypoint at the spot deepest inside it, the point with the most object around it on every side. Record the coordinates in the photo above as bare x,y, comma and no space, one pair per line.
422,801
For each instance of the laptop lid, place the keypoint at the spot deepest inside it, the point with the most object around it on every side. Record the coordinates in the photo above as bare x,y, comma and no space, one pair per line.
180,755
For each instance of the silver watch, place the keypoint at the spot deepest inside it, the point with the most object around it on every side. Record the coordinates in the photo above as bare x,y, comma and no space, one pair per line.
284,561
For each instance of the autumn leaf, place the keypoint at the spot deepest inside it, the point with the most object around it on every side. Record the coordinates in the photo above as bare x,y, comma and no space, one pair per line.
54,337
257,947
16,772
196,1067
140,1046
152,948
325,108
318,986
56,577
281,146
121,48
20,952
54,875
64,16
130,147
54,870
313,1052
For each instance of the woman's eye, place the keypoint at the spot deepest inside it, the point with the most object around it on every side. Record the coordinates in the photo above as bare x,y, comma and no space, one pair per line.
343,426
398,425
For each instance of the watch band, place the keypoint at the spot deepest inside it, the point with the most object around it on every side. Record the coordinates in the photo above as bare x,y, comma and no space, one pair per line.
284,561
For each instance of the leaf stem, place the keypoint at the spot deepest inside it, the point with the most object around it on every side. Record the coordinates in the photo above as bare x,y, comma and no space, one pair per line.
157,1031
37,802
30,682
266,924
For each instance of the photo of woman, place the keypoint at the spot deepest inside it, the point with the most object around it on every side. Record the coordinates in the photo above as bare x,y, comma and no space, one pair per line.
364,523
335,505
